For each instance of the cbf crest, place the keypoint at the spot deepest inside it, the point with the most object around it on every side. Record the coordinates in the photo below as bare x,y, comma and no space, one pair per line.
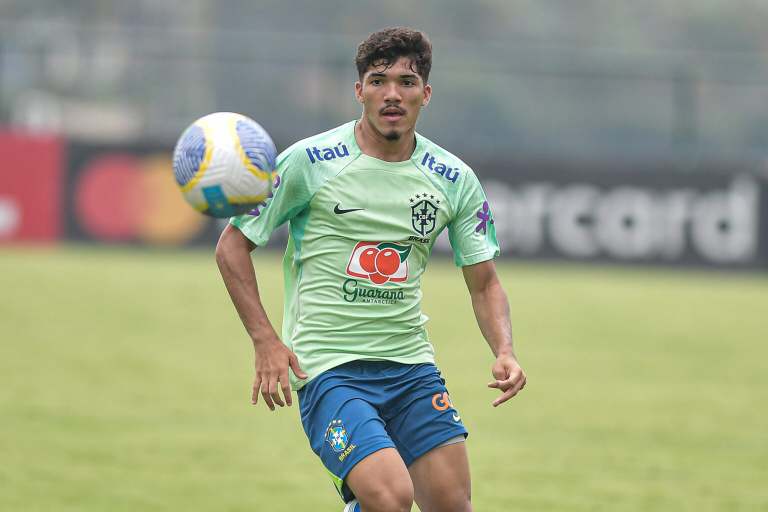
336,435
424,214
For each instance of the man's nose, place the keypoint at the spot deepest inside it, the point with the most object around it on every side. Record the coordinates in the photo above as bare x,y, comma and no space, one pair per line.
392,93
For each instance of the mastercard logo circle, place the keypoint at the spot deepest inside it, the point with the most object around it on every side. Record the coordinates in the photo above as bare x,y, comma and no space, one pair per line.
120,197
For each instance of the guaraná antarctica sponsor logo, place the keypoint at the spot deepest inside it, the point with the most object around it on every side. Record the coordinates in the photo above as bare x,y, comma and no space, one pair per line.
378,263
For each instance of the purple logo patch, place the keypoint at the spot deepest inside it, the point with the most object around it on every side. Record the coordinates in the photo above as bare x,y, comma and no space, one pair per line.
256,212
485,218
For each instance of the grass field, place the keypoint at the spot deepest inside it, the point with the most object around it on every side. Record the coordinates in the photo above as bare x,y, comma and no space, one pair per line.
125,381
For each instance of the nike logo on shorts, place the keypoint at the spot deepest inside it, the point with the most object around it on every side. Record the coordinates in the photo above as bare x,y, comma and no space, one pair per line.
456,417
339,211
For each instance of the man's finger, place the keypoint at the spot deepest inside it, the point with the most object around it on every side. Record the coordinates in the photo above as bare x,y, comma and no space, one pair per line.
506,396
285,384
510,388
265,394
504,385
295,368
255,394
274,392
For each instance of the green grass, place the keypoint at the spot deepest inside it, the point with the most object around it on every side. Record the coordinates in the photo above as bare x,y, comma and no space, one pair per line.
125,381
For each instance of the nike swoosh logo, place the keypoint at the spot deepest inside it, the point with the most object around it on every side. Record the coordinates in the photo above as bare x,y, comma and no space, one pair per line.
339,211
456,417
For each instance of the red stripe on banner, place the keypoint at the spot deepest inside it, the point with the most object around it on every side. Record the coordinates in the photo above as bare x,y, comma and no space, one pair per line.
31,187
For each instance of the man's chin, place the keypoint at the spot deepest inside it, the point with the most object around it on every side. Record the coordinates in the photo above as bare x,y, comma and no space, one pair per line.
392,136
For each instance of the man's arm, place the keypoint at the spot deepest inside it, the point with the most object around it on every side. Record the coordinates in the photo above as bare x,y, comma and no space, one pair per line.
489,301
273,358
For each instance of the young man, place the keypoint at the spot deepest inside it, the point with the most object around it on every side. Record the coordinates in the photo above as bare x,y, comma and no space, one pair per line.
365,202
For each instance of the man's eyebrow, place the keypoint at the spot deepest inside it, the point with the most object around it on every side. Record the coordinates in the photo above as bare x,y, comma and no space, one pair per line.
384,75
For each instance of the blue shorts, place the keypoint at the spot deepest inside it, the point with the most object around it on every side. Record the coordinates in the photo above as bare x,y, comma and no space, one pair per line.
355,409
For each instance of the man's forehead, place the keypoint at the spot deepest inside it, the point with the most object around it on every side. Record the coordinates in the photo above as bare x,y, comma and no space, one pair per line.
381,65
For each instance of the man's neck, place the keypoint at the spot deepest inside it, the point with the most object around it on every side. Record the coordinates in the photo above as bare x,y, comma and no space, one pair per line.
373,144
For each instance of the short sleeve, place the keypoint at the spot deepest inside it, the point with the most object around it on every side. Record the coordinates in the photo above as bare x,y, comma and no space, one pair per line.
471,231
289,197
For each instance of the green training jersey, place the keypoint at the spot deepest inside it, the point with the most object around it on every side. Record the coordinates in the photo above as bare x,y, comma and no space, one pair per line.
360,233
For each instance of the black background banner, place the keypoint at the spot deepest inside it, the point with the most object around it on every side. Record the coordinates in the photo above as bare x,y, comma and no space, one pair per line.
631,212
714,216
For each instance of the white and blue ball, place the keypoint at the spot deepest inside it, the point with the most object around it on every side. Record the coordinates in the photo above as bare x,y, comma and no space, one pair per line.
224,164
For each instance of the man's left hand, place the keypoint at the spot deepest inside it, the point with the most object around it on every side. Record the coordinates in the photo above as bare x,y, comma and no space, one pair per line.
510,378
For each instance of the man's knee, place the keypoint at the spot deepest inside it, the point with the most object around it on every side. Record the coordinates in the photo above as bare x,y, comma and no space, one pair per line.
392,498
455,500
442,480
381,483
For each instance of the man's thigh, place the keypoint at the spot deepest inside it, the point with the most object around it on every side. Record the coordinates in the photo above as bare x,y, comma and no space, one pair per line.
419,415
441,479
342,424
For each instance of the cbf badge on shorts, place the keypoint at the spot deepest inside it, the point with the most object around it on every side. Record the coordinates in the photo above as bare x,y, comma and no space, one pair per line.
338,439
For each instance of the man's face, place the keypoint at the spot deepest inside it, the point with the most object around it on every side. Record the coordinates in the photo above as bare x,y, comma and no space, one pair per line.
392,98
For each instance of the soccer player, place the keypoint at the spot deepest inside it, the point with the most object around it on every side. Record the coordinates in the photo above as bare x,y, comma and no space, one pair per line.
365,202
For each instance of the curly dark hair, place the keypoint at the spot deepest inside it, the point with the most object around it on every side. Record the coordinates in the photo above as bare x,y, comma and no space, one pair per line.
387,45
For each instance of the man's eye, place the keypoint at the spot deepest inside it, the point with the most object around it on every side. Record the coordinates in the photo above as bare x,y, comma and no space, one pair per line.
376,81
408,82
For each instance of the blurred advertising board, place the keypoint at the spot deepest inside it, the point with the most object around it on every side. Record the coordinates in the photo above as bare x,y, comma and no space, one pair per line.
629,212
31,187
128,195
636,213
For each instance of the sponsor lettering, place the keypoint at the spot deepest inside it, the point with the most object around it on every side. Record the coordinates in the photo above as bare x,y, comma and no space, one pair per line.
627,222
440,168
347,452
441,402
370,295
323,154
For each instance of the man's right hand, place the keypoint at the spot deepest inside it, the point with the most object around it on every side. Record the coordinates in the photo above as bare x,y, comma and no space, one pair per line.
273,359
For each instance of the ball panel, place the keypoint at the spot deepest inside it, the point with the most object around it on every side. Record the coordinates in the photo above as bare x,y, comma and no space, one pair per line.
210,146
188,155
255,147
218,205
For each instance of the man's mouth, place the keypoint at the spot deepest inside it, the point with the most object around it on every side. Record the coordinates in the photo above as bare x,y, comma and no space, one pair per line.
392,113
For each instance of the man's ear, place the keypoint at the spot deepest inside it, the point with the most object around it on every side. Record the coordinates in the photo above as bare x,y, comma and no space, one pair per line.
359,92
427,95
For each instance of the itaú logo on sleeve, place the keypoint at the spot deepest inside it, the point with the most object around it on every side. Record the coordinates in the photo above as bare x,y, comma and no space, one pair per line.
379,262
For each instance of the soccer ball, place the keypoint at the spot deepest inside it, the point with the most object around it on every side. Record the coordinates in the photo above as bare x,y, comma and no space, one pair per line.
224,164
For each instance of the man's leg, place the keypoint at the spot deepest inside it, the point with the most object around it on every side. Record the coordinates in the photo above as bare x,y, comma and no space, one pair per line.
424,426
441,479
381,482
